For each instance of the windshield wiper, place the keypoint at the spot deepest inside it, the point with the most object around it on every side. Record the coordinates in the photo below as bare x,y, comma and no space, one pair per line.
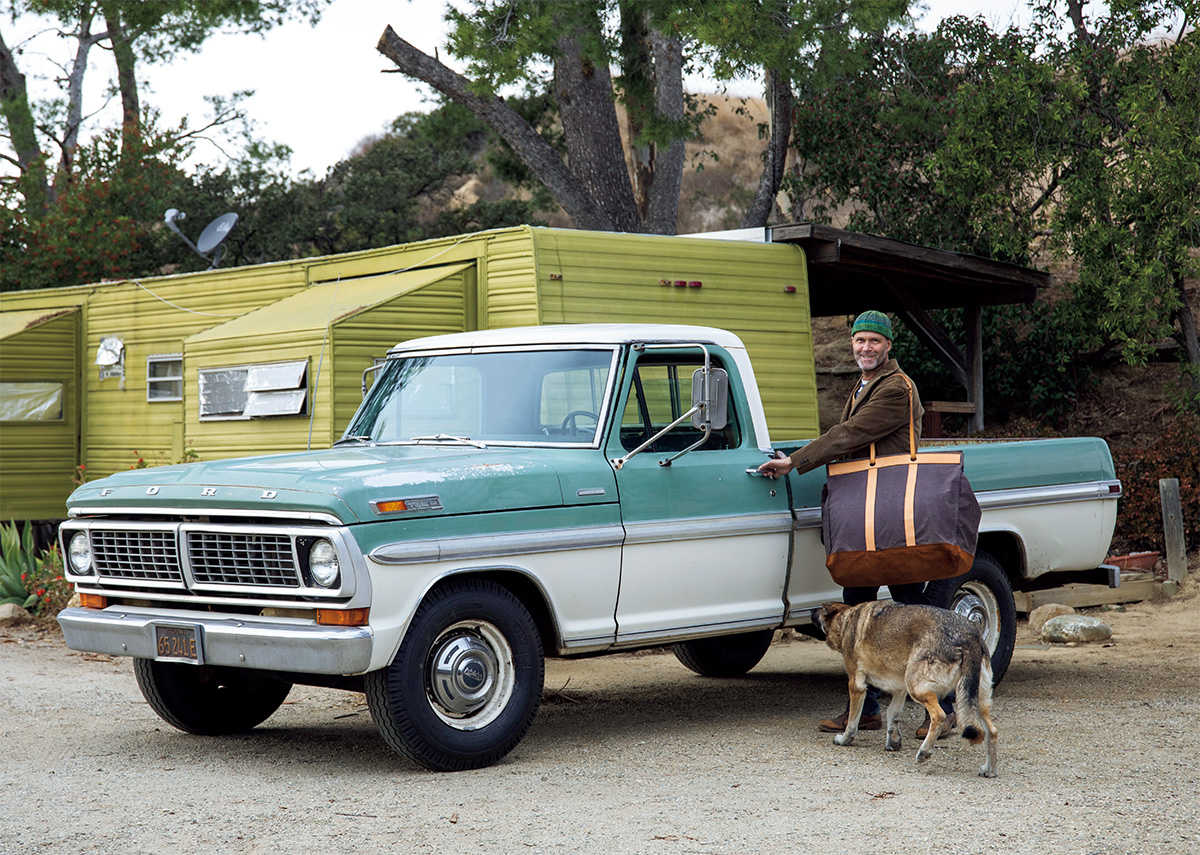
445,437
354,439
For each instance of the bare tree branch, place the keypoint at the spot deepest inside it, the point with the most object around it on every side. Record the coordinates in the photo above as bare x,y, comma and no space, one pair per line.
533,151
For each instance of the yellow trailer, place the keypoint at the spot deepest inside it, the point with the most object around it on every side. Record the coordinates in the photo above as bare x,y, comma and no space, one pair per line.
270,357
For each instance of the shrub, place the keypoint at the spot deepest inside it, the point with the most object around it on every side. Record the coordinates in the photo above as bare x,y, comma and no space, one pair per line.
34,582
17,565
1175,454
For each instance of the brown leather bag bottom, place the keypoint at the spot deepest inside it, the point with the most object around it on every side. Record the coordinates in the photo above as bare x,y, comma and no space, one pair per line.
900,565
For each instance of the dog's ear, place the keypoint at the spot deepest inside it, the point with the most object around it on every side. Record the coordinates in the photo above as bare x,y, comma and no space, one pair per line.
827,613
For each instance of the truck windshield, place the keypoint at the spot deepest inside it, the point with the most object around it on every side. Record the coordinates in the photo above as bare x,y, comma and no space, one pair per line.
520,397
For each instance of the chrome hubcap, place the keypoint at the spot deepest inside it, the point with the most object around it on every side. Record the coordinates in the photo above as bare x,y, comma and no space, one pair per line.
471,675
977,604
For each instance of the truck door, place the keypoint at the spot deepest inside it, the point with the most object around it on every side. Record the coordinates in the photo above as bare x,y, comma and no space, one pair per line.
706,544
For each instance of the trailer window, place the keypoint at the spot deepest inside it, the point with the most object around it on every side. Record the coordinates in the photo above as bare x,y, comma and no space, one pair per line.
254,391
31,402
164,377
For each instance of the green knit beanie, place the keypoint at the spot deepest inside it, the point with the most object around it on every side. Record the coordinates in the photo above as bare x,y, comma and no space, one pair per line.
873,321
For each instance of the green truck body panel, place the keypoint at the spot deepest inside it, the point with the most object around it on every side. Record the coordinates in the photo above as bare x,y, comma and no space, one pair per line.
999,466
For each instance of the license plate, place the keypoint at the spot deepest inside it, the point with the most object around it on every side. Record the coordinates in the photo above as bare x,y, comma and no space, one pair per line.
180,643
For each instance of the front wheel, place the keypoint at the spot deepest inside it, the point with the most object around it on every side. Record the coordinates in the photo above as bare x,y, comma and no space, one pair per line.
724,655
209,699
984,596
467,681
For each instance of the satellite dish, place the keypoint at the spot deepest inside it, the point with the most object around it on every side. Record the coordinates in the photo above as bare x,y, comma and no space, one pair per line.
208,246
215,232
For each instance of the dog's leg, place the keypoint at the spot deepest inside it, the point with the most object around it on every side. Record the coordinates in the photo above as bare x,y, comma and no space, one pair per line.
988,769
893,726
937,718
858,694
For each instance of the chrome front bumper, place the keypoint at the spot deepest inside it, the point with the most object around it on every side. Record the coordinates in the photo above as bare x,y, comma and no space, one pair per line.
235,641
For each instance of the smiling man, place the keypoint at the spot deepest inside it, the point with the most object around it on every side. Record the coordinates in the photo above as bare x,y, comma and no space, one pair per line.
877,411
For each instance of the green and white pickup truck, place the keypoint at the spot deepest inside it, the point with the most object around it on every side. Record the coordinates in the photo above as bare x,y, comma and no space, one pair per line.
500,496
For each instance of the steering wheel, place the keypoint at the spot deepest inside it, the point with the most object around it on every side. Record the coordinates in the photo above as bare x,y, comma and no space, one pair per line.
569,419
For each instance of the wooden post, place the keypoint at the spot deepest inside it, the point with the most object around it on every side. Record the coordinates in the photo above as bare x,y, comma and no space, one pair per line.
973,321
1172,513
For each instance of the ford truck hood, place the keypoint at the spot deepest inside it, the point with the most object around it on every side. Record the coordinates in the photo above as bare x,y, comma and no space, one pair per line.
343,482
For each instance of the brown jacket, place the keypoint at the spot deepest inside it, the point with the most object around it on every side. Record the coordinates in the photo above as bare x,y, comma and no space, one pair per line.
879,414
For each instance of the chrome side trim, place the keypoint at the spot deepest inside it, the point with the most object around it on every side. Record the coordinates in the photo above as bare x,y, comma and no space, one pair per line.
239,642
683,633
498,545
702,528
117,510
806,518
1014,498
1053,494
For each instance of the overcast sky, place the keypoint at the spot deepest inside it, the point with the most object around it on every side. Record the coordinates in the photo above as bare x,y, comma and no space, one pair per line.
320,90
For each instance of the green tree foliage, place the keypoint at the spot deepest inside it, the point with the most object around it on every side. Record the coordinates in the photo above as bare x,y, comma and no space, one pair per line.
1080,141
397,188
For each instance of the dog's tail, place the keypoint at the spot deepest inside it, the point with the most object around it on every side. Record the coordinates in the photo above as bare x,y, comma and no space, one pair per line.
976,667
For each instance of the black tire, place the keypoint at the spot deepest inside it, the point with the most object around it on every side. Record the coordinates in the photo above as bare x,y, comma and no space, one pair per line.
467,681
725,655
984,596
207,699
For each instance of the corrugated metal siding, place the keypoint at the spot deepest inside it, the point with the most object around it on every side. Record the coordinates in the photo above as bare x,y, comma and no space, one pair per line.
120,420
512,284
212,440
357,340
612,278
37,459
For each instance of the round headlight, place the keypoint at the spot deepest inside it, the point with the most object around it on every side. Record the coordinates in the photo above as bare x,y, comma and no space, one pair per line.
323,564
80,550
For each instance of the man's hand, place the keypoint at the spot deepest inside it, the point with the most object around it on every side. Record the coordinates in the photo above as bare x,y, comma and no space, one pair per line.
776,468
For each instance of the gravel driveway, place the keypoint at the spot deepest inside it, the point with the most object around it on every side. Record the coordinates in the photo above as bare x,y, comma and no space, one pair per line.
629,754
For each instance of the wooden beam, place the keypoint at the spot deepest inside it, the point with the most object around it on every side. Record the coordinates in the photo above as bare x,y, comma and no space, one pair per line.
932,334
905,255
1083,596
973,321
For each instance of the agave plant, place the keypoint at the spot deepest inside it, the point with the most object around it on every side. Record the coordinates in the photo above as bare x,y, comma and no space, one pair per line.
17,559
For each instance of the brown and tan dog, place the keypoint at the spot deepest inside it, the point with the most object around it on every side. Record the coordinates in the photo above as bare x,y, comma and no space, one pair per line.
918,651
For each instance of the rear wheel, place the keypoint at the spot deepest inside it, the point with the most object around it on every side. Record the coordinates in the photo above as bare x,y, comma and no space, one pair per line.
466,682
984,596
209,699
725,655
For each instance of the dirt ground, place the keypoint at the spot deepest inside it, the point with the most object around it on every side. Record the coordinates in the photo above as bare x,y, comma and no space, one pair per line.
629,754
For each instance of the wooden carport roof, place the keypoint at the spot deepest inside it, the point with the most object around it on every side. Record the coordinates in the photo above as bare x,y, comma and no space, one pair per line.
850,271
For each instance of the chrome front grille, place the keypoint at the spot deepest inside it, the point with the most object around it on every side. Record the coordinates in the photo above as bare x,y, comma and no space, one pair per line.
138,554
242,559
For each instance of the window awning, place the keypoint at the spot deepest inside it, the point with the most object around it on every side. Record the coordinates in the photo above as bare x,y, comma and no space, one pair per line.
15,323
320,305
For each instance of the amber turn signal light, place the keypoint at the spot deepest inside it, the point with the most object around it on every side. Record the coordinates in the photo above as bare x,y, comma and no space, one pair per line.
343,617
93,601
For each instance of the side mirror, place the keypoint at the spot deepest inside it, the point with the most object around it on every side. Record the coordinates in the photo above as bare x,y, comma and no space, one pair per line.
717,410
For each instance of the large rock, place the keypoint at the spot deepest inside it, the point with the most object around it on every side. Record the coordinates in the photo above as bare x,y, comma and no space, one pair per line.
11,613
1068,628
1039,616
